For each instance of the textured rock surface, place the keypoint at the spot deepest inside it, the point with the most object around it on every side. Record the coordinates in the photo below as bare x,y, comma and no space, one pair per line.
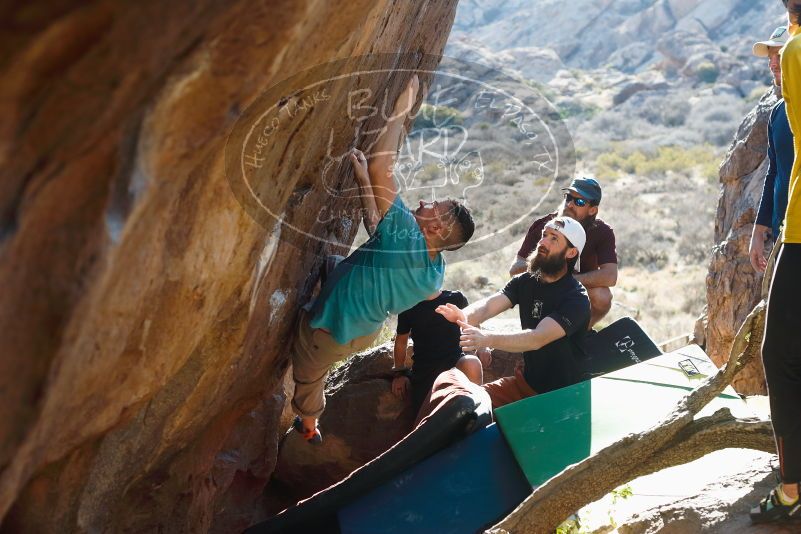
710,495
145,316
733,287
362,419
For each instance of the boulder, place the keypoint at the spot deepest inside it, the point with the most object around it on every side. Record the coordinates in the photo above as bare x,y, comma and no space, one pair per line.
146,315
631,57
630,89
539,64
712,495
362,420
732,285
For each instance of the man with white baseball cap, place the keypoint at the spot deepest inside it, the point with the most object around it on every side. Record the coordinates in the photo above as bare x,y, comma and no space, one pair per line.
777,39
554,314
775,188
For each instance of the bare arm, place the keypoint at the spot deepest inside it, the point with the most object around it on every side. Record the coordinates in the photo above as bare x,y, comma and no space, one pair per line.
370,214
604,276
519,265
399,352
401,383
478,312
546,332
756,250
382,159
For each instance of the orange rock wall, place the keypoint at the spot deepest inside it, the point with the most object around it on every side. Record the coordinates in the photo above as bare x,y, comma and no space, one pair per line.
145,316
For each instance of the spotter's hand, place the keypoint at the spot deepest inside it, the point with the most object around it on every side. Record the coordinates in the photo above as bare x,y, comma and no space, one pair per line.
451,312
473,338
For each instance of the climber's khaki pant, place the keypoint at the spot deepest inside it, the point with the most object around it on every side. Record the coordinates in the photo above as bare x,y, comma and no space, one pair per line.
315,352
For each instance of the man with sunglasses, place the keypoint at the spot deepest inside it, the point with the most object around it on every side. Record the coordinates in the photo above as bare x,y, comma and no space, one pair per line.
597,269
400,265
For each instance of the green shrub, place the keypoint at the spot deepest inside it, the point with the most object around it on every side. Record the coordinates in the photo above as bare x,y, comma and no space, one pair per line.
707,72
437,117
544,89
704,159
575,108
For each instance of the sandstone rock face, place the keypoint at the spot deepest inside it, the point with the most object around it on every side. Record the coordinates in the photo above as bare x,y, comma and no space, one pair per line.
711,495
362,420
145,316
733,287
720,507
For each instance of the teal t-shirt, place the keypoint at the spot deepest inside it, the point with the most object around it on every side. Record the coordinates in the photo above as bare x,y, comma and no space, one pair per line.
389,273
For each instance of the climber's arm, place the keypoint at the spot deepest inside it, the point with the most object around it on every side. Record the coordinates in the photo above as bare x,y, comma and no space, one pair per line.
382,158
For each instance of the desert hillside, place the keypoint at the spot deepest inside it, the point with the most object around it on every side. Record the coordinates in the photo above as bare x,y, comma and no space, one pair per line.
651,92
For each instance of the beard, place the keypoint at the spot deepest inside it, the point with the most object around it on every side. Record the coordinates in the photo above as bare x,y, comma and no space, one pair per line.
549,265
586,222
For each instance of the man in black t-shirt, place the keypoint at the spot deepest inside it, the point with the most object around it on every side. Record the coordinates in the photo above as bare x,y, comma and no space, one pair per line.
554,314
436,347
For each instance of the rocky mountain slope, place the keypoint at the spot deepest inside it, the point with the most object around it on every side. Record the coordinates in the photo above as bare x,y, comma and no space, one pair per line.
628,35
652,93
594,55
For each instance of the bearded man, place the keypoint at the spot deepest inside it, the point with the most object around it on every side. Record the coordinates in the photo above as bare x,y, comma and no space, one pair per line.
554,314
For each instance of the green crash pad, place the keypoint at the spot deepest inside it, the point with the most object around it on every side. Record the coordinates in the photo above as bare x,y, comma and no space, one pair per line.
548,432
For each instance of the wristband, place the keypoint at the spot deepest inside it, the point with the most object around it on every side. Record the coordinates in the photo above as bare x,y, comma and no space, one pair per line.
401,371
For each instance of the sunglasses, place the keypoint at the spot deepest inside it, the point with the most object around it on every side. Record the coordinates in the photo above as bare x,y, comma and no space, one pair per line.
578,202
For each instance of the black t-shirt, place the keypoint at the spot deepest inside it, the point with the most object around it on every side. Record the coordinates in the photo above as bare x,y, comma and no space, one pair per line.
436,340
555,365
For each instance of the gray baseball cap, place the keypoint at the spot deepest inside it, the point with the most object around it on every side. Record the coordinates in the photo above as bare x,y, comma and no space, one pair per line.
589,188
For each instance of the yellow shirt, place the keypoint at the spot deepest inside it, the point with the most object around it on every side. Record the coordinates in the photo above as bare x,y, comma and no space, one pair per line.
791,90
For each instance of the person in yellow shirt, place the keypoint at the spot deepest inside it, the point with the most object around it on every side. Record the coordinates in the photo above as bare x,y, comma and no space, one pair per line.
781,347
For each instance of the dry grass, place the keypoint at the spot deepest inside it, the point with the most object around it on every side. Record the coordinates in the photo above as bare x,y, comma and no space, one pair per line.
664,228
660,196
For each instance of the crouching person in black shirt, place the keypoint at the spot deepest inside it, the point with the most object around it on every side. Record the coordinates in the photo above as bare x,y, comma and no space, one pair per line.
554,314
436,348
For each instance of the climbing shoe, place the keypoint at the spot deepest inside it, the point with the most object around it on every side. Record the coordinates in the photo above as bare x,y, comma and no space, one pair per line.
312,436
771,508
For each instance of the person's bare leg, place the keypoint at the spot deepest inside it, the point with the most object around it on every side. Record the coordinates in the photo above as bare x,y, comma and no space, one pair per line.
471,367
600,303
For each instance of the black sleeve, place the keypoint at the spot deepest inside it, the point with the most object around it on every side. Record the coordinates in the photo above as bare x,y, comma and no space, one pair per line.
404,322
573,313
461,300
512,289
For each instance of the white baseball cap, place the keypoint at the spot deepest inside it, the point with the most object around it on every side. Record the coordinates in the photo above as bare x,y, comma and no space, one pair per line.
779,37
573,231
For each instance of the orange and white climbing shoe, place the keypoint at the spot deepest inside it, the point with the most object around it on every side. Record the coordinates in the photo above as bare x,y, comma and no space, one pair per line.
312,436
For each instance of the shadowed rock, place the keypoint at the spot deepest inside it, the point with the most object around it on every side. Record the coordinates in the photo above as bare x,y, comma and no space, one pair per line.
362,420
145,315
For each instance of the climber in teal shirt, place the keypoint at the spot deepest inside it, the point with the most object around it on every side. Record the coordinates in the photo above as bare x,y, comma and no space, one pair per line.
400,265
387,274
